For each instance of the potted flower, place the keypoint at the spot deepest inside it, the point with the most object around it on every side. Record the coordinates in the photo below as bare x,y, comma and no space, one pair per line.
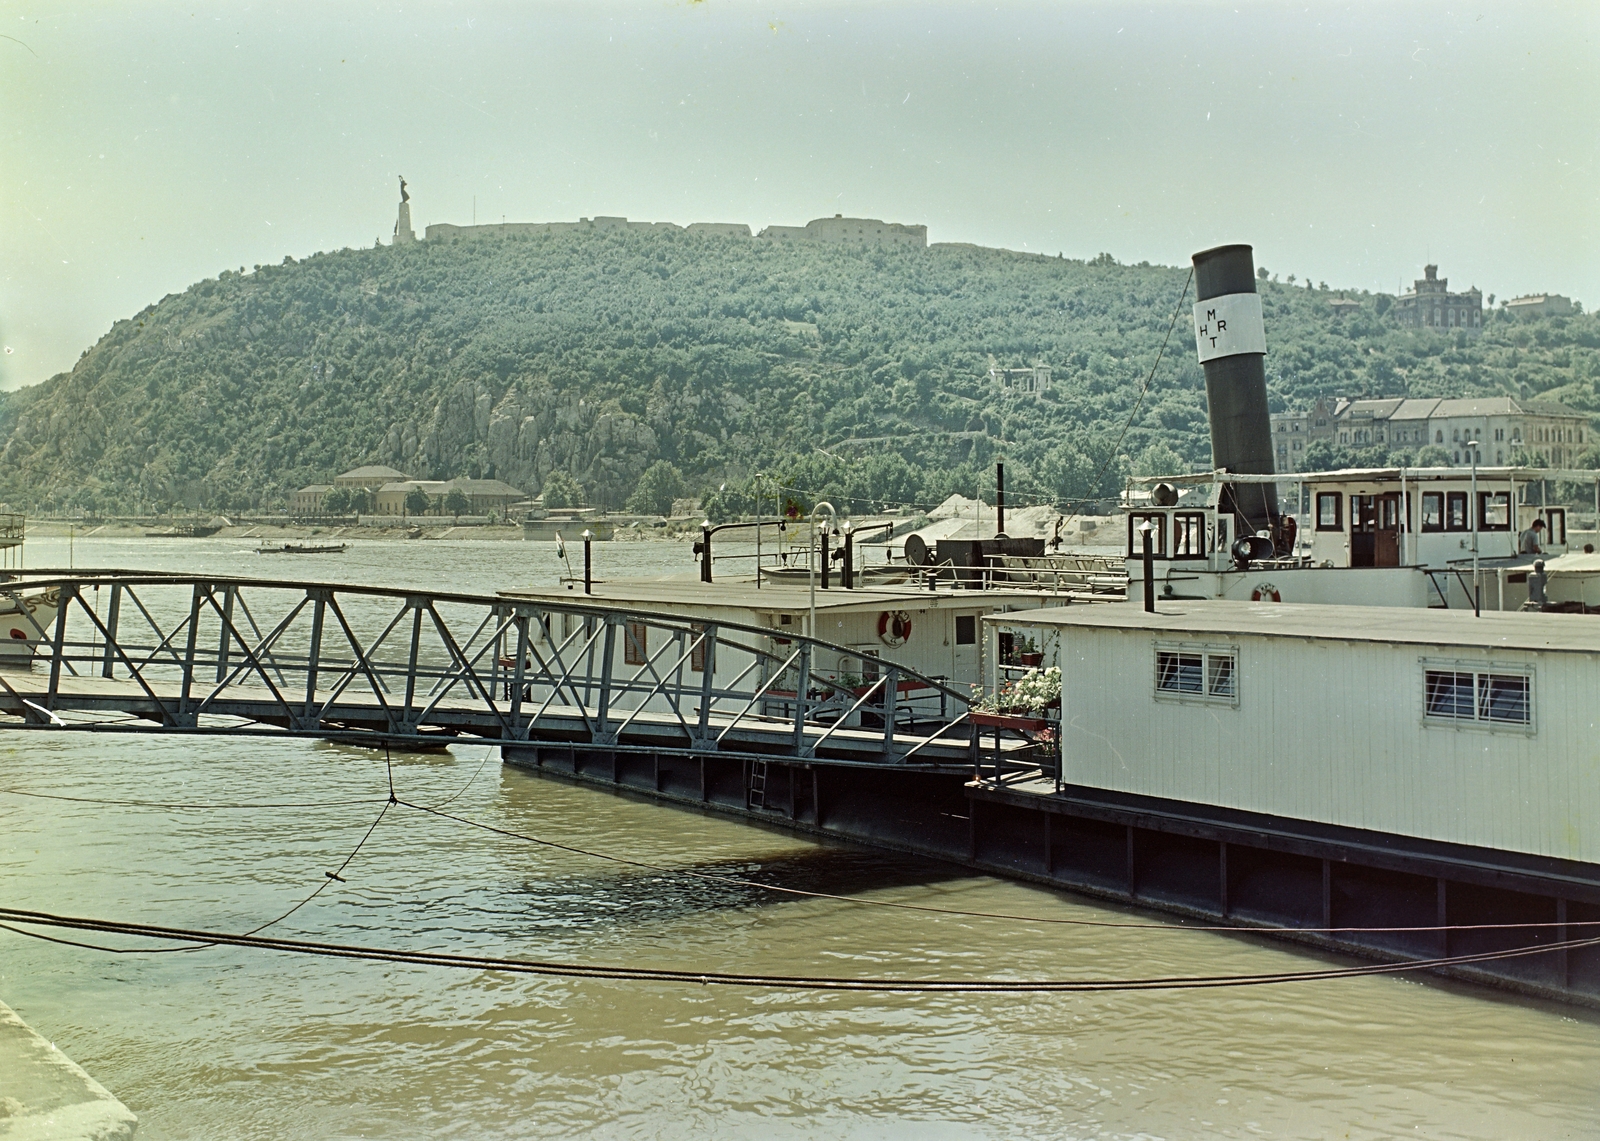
1028,653
1021,702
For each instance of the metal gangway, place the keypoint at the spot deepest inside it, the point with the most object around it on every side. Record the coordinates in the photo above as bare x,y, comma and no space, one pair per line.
125,651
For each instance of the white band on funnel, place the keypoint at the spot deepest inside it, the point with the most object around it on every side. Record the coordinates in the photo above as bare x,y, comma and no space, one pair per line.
1229,325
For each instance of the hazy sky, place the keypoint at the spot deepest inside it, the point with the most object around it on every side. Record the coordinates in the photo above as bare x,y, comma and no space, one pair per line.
146,146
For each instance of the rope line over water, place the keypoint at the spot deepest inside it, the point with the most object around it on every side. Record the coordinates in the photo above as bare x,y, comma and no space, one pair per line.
9,916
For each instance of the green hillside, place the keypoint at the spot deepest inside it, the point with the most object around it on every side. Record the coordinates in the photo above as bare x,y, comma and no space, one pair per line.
859,373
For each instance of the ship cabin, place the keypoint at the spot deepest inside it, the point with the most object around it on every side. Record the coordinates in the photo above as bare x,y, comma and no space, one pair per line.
934,632
1364,768
1411,536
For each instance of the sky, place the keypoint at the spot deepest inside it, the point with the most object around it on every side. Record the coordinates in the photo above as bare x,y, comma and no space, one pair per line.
146,146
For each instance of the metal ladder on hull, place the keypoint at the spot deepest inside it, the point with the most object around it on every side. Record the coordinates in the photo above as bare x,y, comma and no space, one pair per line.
756,794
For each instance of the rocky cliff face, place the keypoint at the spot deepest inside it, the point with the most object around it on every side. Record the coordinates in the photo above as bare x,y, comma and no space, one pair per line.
521,436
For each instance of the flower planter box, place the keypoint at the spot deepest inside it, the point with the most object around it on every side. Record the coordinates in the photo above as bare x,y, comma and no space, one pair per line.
1020,722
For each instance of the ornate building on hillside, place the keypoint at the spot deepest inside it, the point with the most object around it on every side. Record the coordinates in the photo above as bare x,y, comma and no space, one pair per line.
1431,305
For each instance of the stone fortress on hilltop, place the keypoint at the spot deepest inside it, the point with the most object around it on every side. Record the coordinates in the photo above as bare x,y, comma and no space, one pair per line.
837,230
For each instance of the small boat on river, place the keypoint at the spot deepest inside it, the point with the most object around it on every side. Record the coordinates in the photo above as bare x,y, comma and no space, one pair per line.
302,549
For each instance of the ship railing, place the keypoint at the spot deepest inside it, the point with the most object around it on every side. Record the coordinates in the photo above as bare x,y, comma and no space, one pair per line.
1094,574
155,652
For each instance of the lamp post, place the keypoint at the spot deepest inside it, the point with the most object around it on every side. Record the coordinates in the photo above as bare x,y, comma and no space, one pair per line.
847,577
811,562
1474,508
588,561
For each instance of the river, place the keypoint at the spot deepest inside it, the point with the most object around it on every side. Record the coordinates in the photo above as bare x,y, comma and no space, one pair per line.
237,1043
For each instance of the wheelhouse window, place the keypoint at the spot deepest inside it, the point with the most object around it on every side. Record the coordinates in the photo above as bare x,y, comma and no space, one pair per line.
1494,511
1433,511
1330,511
1464,695
1455,511
1188,535
1158,537
1197,673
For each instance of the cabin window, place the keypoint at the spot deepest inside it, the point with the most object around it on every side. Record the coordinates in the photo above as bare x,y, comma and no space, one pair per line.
697,654
1330,508
1455,511
1556,524
634,644
1433,511
1158,539
966,629
1188,535
1197,673
1494,511
1487,697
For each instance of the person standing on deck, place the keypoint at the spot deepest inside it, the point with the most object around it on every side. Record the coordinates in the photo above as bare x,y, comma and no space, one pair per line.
1529,542
1536,587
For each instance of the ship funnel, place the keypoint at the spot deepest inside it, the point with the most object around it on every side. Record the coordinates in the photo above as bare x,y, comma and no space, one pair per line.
1232,343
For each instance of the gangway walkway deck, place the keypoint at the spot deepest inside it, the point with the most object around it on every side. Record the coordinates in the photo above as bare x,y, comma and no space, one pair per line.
171,653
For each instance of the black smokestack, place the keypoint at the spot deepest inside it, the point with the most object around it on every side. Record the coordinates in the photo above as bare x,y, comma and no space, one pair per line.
1233,348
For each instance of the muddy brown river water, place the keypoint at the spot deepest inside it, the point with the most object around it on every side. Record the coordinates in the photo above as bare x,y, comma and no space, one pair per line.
241,1043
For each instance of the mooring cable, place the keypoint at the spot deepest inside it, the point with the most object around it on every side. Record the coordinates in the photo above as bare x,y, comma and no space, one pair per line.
9,916
182,807
328,878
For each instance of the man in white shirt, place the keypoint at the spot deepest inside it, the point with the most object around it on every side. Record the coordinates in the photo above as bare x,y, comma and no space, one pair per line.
1529,543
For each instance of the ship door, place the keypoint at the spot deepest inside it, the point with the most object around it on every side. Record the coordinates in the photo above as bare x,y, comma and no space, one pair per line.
1386,539
965,668
1555,528
1375,530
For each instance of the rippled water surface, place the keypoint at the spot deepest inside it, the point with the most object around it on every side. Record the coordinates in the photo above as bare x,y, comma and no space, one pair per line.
236,1043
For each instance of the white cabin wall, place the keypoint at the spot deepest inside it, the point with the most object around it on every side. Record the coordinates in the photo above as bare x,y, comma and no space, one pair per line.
1333,732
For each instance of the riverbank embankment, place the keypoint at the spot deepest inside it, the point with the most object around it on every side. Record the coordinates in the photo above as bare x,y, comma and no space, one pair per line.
46,1096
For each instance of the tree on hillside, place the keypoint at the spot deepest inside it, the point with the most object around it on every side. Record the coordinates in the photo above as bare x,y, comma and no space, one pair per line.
1158,459
1319,456
1433,456
656,490
561,491
857,376
416,502
456,502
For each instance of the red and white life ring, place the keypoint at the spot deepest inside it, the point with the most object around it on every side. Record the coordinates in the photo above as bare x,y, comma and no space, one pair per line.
894,627
1266,592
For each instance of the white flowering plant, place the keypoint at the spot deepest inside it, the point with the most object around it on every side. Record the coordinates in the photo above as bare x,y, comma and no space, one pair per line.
1031,693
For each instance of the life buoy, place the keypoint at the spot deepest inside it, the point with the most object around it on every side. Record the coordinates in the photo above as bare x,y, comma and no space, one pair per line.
894,627
1266,592
18,634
